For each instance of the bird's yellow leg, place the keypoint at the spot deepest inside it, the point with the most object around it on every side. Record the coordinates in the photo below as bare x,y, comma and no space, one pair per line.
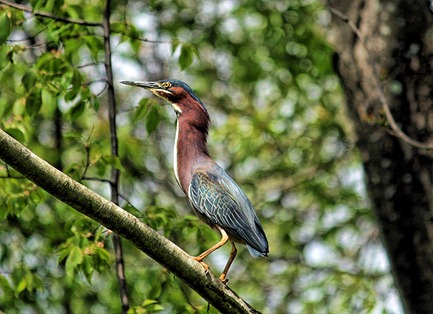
233,253
224,239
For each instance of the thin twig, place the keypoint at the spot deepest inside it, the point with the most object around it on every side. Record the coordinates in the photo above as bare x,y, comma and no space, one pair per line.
96,179
87,148
126,110
379,87
49,15
102,91
115,174
143,39
34,46
104,80
128,202
88,64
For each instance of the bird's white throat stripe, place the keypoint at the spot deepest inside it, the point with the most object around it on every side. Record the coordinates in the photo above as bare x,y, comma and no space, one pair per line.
176,108
176,170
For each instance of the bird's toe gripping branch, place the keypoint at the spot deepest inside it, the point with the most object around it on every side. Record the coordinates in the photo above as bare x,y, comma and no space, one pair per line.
224,239
200,260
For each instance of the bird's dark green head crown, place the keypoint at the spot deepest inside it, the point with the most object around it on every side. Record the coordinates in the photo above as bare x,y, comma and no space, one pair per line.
176,92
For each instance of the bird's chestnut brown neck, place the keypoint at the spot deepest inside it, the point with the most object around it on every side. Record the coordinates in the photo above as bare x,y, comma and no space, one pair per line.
190,151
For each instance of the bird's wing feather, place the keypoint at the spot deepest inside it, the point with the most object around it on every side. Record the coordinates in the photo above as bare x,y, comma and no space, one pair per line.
214,194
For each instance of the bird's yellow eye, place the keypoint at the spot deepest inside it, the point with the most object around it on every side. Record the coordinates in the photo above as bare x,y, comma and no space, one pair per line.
165,85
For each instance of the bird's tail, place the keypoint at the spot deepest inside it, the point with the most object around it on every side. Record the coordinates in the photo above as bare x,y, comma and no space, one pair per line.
255,253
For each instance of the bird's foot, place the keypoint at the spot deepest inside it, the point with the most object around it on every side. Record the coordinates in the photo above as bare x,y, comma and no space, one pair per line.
223,279
205,266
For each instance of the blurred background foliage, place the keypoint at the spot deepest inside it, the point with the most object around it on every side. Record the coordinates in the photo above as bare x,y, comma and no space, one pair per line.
264,71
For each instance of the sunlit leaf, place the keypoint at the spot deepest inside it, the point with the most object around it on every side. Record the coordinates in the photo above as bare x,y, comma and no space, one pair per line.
48,99
22,285
5,27
5,56
75,11
174,44
148,302
74,259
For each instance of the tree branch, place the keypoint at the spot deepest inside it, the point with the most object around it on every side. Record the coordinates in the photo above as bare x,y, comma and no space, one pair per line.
385,105
115,173
48,15
121,222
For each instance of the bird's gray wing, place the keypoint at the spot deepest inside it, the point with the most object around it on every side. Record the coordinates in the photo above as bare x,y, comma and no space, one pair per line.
214,194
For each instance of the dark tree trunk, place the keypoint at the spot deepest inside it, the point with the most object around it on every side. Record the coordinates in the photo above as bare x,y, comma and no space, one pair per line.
399,37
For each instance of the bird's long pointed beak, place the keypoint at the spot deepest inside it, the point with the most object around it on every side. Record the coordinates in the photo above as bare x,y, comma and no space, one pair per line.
147,85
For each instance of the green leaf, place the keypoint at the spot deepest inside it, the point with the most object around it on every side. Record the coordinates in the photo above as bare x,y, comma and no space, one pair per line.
76,85
63,253
37,4
4,285
5,107
6,54
5,27
141,111
101,166
155,291
186,57
48,5
33,102
94,45
29,79
74,259
71,94
16,134
22,285
148,302
113,161
131,209
94,101
88,268
51,65
76,79
77,110
48,99
157,308
118,27
72,47
174,44
153,119
75,11
37,283
101,259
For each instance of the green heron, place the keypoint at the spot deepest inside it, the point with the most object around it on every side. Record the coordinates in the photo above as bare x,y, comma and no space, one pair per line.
214,195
